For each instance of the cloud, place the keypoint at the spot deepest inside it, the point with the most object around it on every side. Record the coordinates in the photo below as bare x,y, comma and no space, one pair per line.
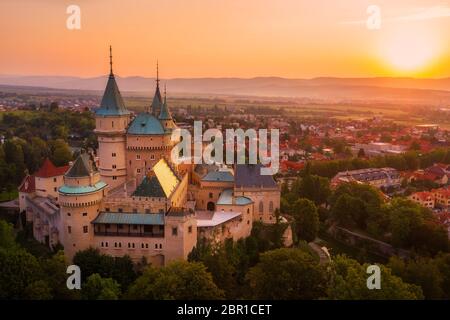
442,11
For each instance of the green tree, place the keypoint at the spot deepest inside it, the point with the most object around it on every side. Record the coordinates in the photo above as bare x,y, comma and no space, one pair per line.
19,269
60,152
420,271
287,274
349,282
179,280
306,219
98,288
7,237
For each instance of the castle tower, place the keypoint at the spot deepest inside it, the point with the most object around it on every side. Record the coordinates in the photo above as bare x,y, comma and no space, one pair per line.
164,116
80,198
111,122
157,99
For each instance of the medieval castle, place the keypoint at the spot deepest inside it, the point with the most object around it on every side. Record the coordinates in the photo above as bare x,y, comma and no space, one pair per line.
131,199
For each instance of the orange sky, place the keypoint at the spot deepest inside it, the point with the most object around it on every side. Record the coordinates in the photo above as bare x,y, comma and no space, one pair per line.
226,38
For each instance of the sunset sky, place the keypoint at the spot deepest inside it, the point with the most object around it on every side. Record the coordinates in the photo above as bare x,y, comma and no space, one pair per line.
226,38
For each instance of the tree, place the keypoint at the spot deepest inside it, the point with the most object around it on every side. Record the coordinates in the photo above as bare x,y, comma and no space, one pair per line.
38,290
7,237
312,187
306,219
423,272
349,282
98,288
287,274
179,280
92,261
60,152
19,269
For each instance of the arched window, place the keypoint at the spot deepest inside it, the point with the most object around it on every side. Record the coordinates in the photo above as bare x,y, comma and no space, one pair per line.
261,207
271,206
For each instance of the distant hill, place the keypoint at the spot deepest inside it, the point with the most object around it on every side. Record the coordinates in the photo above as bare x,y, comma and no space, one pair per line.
326,88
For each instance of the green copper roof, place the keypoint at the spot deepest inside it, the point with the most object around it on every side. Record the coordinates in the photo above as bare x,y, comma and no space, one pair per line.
220,176
129,218
144,124
82,167
157,102
164,114
112,103
82,190
150,187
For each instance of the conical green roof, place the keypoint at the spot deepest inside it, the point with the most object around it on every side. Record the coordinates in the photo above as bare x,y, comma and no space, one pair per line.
82,167
157,102
112,103
164,114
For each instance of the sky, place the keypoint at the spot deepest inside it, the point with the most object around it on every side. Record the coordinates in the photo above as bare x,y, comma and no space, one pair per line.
227,38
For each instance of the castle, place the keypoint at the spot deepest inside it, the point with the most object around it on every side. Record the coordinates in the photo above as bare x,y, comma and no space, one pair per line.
130,199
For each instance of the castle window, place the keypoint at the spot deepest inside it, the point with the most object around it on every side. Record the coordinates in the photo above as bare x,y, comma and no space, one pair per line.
271,206
120,226
54,179
107,209
174,231
120,244
261,207
112,124
160,246
102,245
68,213
115,244
152,157
69,229
85,229
146,246
135,227
113,154
138,157
129,245
114,178
190,229
54,189
106,244
114,166
84,214
120,210
248,210
156,246
132,245
210,195
138,170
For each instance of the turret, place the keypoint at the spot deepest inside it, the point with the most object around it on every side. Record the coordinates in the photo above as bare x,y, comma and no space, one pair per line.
80,198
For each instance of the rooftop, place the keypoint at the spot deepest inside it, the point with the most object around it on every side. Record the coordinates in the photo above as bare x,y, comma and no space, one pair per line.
129,218
145,124
48,169
249,175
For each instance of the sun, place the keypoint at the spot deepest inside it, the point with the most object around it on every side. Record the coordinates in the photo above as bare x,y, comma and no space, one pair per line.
408,50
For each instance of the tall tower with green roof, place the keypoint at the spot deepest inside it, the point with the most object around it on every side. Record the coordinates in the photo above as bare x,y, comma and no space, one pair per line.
111,122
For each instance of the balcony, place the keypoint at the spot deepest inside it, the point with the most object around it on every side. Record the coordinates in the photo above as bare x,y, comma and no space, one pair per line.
129,234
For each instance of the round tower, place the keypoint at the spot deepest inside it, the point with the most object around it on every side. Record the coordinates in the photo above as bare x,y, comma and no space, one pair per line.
79,198
111,122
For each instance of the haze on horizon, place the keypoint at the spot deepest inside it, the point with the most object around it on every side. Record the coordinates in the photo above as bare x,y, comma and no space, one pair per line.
227,38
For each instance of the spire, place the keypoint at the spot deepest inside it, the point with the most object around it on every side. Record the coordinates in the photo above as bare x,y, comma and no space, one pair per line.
164,114
156,103
110,61
112,103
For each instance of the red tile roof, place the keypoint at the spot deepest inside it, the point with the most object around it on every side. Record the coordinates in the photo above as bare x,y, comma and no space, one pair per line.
48,169
27,185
